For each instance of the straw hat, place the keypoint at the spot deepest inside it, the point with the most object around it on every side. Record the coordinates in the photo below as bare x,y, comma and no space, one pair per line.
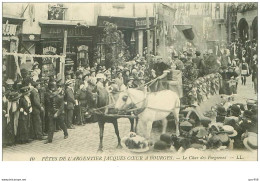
250,142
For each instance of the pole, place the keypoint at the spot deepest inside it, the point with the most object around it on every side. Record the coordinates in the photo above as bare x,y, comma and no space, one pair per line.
155,31
62,64
148,32
163,38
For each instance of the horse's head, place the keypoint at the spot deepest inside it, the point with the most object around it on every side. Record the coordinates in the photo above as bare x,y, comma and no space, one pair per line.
124,101
92,99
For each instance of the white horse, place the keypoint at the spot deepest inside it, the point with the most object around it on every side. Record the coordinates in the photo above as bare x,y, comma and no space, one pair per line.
156,106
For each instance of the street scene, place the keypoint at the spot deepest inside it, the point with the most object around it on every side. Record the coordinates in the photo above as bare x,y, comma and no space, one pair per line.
129,79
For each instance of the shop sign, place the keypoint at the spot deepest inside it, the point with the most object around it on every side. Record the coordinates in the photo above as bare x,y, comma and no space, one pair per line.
49,50
141,23
30,37
57,32
83,48
9,29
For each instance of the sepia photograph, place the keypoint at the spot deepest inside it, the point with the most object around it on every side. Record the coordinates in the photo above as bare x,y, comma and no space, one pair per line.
150,81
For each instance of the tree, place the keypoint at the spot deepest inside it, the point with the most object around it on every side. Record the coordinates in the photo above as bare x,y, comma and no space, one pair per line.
115,47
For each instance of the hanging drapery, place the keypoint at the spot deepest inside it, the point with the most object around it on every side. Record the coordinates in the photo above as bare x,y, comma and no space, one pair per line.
23,58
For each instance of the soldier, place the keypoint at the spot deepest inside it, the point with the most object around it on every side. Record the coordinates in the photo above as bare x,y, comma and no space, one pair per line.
69,102
55,106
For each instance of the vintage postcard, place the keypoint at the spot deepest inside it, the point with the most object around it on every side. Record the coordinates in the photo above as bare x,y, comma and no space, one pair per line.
130,81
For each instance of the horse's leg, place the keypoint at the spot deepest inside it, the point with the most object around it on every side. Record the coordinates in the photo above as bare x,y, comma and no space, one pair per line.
101,125
164,125
117,134
149,126
132,122
176,117
136,123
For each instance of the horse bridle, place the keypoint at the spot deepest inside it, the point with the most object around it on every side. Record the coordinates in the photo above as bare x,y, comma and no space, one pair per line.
133,106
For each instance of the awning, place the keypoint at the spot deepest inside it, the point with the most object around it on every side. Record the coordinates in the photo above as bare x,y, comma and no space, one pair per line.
66,23
12,19
187,31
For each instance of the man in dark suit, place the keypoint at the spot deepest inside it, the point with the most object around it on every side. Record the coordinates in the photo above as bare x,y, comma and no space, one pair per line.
69,102
36,111
199,62
55,106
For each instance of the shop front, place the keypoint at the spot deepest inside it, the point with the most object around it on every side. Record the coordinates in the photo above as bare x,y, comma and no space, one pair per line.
134,30
12,27
79,46
141,35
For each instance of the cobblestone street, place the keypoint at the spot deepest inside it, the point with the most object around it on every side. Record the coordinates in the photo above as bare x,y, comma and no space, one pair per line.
85,139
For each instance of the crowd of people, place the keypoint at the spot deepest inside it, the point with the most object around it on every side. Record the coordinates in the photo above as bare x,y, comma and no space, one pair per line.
34,107
235,128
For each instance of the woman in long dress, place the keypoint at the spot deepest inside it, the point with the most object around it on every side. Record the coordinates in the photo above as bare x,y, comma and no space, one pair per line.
12,114
24,118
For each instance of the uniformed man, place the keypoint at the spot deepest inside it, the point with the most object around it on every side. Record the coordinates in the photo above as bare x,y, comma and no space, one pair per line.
55,106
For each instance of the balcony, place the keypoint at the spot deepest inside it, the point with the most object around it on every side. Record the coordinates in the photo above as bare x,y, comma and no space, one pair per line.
57,12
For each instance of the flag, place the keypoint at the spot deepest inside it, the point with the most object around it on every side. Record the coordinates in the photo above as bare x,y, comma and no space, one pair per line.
188,33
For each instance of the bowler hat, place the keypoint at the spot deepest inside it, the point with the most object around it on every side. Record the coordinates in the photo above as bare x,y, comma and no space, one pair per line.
52,85
78,73
189,54
247,114
167,139
205,122
235,110
197,53
221,111
160,145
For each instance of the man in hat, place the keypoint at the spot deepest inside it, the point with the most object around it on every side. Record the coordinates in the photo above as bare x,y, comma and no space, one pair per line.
70,102
221,114
199,63
78,83
126,75
36,111
81,96
42,93
55,106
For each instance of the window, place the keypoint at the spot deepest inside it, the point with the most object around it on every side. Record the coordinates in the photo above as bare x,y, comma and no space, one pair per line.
57,12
